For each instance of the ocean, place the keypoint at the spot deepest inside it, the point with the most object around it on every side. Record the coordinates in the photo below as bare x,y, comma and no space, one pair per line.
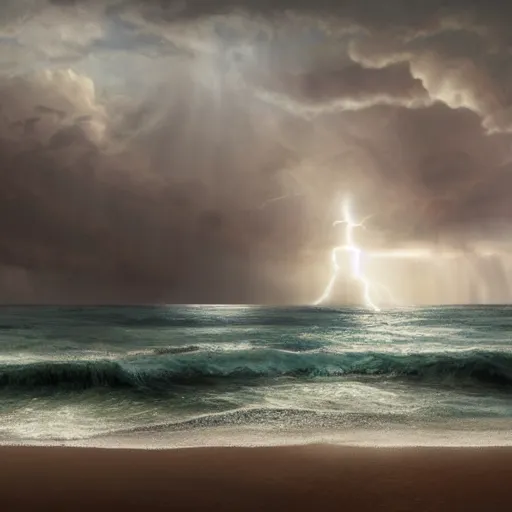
197,375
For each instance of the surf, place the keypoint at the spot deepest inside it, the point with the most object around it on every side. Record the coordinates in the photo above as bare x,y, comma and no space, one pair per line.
190,366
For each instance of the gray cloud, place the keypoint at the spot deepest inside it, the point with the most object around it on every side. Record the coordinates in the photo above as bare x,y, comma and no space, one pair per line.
197,151
352,87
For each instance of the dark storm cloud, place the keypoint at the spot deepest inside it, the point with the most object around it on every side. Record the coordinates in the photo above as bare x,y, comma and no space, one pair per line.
394,13
458,50
349,88
197,151
159,218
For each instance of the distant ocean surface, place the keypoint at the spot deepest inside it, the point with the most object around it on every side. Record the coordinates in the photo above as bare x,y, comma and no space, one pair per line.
188,375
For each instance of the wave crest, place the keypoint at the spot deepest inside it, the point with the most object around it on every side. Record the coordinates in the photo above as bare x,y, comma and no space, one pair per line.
164,369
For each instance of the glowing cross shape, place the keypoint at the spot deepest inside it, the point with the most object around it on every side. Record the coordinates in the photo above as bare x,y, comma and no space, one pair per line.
356,253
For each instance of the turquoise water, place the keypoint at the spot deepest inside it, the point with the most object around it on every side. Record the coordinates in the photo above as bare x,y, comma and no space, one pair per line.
87,373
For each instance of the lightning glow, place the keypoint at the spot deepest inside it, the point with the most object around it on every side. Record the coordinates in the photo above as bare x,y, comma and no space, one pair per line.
356,254
373,291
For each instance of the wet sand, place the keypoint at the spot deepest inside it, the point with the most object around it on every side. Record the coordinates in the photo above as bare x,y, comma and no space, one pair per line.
263,479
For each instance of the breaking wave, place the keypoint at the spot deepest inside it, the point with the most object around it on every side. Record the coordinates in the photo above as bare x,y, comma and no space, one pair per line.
164,369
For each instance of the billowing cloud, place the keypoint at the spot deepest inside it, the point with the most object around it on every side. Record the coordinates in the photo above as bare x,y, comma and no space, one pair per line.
197,151
350,88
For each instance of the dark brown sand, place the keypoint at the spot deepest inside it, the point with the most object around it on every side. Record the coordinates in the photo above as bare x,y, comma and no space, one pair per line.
283,478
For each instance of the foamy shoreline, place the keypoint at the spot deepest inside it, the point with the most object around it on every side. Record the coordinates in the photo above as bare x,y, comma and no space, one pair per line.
267,438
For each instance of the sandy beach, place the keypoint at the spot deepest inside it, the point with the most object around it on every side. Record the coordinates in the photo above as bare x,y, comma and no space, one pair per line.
281,478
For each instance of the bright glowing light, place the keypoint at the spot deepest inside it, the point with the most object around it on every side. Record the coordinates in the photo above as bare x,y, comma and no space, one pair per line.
375,294
417,254
356,254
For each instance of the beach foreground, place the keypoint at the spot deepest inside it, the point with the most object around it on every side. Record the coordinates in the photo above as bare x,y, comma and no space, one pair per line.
320,477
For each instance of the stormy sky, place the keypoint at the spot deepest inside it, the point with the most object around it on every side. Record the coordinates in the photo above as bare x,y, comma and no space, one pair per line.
197,151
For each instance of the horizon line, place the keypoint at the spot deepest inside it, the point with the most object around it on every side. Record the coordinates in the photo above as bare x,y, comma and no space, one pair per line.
245,304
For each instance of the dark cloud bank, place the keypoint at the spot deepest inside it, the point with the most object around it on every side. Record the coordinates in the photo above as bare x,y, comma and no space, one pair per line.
197,151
